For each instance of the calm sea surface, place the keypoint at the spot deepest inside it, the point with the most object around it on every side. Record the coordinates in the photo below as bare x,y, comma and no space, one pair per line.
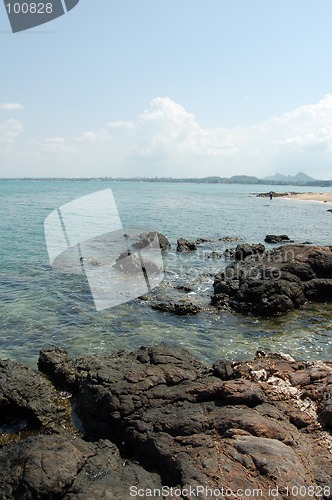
40,307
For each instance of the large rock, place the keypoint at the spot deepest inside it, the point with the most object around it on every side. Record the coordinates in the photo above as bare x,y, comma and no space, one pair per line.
248,423
275,282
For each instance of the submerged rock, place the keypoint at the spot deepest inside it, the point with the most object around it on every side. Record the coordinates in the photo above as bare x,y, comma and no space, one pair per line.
229,239
158,416
180,308
275,282
199,241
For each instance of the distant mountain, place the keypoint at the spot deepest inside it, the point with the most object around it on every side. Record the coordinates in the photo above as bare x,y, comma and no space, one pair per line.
302,177
276,178
299,177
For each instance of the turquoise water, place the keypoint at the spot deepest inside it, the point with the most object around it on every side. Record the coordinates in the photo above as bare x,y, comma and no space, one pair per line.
40,307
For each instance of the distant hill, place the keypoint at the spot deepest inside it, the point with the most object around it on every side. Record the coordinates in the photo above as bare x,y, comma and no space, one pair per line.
299,177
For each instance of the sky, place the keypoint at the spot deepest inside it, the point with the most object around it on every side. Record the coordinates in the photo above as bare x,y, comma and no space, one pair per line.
169,88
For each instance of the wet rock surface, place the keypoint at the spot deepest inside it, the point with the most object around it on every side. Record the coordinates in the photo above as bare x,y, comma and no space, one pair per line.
245,250
53,467
158,416
275,194
182,307
274,282
28,401
148,239
186,246
276,238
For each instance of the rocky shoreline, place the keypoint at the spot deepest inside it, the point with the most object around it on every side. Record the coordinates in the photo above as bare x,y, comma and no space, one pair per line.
258,279
157,418
157,423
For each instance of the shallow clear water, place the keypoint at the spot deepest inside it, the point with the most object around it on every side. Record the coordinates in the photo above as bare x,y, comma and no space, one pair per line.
40,307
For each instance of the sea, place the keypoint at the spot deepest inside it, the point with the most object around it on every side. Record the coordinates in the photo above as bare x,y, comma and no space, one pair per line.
41,307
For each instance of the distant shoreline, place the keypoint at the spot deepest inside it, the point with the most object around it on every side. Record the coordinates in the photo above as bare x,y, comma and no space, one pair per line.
236,179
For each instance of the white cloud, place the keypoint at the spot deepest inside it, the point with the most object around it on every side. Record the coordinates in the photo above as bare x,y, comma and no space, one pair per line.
167,140
10,106
9,131
121,124
56,145
320,112
320,139
167,131
167,134
91,137
306,128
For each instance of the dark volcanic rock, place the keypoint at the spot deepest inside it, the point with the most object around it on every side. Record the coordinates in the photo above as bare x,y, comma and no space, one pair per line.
29,402
274,238
320,259
184,288
59,366
245,250
163,241
319,289
213,255
185,246
326,404
53,467
199,241
268,296
276,281
275,194
159,417
193,426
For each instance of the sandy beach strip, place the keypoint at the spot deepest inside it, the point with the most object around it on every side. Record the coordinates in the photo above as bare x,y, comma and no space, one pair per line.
323,197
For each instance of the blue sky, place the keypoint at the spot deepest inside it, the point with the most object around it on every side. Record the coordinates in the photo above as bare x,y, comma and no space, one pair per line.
169,88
